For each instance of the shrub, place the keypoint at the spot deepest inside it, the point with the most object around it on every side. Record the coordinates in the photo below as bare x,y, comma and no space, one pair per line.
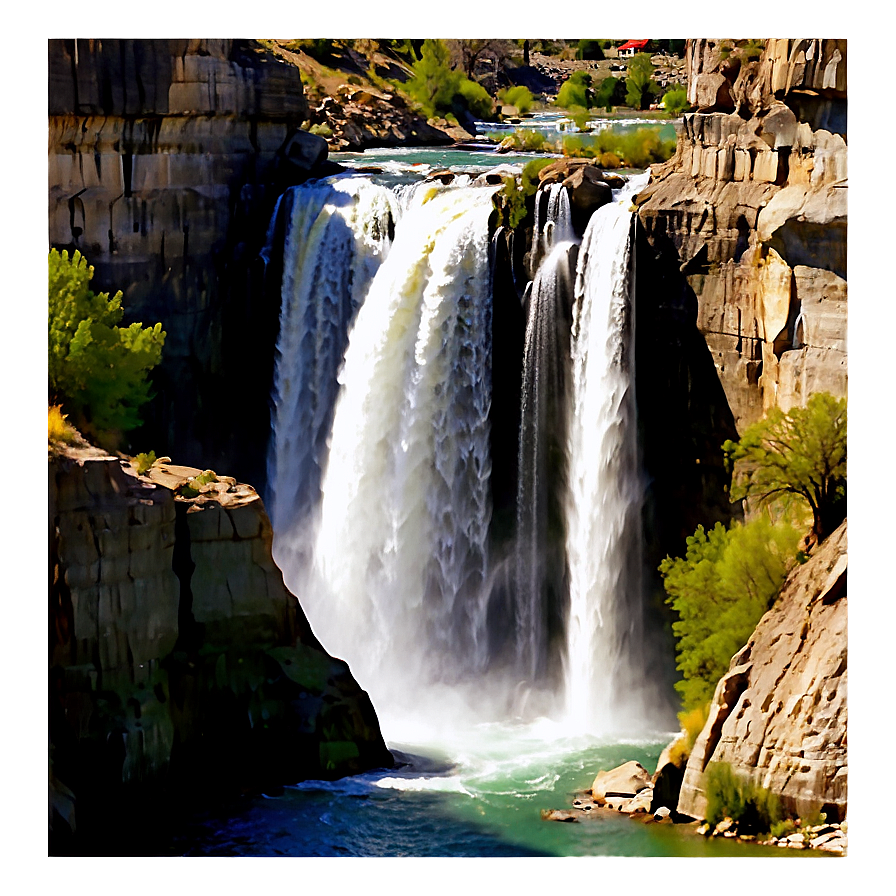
97,370
720,590
143,462
574,91
321,130
475,98
609,160
609,92
754,808
58,429
799,454
675,101
692,723
782,828
519,96
531,170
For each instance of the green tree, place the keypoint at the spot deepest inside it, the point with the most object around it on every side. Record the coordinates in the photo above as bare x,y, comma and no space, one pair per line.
675,101
609,92
575,91
590,49
97,370
720,589
801,453
639,85
440,90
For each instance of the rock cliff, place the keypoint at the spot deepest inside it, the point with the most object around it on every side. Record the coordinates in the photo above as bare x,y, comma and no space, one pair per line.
753,208
779,715
179,662
165,160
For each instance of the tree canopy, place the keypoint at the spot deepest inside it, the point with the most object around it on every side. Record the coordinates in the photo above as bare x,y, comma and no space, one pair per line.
97,370
801,453
639,85
720,590
440,89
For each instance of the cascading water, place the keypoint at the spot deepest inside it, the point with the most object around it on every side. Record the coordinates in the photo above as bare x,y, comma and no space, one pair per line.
336,239
540,565
381,508
400,553
604,688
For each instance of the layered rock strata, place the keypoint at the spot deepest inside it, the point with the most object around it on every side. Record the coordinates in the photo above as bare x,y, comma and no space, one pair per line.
177,655
165,159
753,208
779,715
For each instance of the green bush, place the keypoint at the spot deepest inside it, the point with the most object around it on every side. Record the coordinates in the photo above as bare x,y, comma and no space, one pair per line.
143,462
575,91
754,808
609,92
782,828
519,96
97,370
720,590
321,130
675,101
475,98
531,170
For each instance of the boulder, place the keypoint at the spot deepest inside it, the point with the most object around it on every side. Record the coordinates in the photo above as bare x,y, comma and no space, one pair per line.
713,92
558,815
661,813
639,803
625,780
305,151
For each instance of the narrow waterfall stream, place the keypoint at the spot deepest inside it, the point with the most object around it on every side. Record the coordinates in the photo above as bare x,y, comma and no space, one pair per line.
604,685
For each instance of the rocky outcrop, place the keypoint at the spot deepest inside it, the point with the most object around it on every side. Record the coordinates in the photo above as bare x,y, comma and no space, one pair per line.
360,117
179,661
165,160
753,208
778,716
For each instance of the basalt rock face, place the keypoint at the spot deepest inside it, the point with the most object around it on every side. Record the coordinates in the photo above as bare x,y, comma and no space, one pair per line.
165,160
179,662
779,714
753,209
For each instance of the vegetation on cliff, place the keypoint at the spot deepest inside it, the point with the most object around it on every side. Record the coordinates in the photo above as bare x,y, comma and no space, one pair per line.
98,371
801,455
720,589
728,578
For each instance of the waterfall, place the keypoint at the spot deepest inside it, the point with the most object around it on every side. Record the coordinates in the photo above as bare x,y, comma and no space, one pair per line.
401,550
540,588
553,222
336,239
604,543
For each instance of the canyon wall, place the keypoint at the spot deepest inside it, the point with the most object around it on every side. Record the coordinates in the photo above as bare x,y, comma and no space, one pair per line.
179,662
165,159
753,207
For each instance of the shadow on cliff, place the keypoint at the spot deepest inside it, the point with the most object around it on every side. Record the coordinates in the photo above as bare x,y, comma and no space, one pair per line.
683,414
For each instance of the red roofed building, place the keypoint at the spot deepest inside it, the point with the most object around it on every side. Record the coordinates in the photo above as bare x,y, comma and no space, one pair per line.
630,47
